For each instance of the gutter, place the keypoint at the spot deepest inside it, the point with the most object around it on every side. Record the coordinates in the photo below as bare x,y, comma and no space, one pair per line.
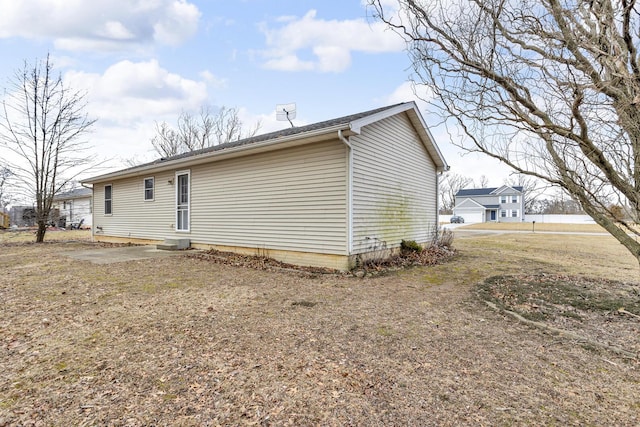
296,139
349,191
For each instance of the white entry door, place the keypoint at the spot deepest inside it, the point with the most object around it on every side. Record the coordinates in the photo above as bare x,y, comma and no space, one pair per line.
182,201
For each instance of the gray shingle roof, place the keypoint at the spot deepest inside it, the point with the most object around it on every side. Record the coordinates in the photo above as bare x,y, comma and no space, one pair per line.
74,194
276,134
467,192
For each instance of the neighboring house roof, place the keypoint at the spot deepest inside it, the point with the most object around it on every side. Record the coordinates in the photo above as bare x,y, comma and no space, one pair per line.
78,193
470,192
351,125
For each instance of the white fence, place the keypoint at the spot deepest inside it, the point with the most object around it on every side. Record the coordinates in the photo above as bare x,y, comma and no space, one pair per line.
550,218
560,219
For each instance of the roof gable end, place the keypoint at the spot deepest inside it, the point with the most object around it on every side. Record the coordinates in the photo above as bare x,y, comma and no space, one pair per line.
470,203
506,188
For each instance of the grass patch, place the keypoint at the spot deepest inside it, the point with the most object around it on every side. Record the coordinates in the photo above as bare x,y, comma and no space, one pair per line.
29,236
238,343
528,226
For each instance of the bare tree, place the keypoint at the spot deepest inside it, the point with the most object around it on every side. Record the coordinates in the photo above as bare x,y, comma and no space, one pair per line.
483,182
450,184
42,126
5,196
202,131
550,88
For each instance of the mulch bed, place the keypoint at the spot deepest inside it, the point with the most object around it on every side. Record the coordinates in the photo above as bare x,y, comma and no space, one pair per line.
432,255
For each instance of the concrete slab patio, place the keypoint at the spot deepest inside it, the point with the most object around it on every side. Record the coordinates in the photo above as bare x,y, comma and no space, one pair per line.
120,254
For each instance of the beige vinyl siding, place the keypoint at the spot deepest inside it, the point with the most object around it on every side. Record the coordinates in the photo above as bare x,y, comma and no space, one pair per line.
132,216
291,199
394,186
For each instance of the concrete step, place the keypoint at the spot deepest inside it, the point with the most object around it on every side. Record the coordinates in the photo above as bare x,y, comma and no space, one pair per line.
165,247
174,244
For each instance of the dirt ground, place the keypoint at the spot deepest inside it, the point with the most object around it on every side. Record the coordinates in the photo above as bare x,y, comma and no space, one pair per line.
182,341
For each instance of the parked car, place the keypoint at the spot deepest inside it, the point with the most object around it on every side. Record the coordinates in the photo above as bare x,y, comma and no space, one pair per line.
457,220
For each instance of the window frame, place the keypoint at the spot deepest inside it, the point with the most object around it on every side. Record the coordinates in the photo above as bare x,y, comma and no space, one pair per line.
152,189
108,212
503,199
503,213
515,213
514,198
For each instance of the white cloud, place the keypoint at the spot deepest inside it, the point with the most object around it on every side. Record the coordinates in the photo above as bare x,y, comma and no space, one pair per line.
410,91
100,24
213,81
128,98
330,42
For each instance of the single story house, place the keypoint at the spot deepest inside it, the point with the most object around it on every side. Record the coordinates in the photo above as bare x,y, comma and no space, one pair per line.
327,194
74,207
502,204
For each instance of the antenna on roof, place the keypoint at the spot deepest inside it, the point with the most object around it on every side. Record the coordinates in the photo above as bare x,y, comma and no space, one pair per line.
286,112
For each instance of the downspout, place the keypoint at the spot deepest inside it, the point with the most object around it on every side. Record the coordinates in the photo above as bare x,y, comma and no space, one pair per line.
349,192
437,226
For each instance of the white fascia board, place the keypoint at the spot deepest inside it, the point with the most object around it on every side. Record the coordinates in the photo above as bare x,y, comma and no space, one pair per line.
241,150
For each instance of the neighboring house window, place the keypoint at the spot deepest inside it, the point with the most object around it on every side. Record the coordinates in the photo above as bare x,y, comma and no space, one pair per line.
148,188
514,213
514,199
503,199
107,199
503,213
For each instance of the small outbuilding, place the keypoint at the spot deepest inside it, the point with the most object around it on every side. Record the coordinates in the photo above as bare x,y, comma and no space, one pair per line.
327,194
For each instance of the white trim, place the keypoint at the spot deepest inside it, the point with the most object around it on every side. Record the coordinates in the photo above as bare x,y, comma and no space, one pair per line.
210,156
177,184
153,189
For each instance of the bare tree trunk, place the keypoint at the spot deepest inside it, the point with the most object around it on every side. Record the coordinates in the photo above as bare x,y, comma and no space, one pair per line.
42,125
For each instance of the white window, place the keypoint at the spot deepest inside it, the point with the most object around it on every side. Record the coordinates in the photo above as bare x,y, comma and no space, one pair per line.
108,197
514,213
503,199
148,189
514,199
503,213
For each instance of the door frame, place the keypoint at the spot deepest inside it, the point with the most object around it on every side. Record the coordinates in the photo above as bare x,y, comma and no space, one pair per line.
181,207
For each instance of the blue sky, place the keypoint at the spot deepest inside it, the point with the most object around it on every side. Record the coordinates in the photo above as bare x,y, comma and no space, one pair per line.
143,61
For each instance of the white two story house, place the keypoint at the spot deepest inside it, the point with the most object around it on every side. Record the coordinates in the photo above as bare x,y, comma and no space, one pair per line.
502,204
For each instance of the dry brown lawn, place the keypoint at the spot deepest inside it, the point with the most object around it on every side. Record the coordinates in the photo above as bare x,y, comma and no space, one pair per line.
528,226
182,341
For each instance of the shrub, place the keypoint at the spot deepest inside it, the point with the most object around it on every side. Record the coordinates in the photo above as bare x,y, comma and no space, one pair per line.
407,246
